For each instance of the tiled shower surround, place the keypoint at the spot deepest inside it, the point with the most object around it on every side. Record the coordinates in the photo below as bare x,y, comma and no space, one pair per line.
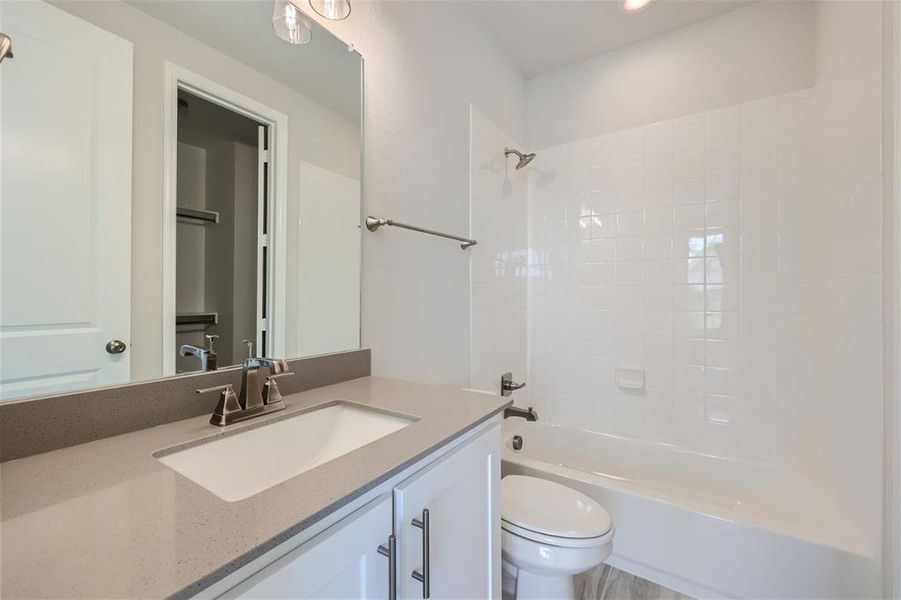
678,248
498,266
733,255
703,251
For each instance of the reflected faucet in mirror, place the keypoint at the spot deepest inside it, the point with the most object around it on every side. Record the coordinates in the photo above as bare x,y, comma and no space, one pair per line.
208,357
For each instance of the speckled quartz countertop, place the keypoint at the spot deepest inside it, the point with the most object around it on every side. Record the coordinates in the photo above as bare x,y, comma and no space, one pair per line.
105,519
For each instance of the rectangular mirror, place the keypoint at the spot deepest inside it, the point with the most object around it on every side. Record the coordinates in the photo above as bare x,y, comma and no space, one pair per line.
179,189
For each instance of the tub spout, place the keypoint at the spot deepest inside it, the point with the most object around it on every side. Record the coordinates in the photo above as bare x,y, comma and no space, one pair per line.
527,414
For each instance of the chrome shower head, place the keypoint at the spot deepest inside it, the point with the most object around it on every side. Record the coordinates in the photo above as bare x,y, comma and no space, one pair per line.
524,159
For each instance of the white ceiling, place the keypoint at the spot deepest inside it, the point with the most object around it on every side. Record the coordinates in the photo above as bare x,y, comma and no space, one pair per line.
545,35
323,70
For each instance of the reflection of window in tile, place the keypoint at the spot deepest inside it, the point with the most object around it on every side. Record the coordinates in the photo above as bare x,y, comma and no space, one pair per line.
714,241
695,271
714,270
584,227
714,297
695,246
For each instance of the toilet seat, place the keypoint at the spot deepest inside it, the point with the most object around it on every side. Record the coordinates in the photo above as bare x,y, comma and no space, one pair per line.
560,542
550,513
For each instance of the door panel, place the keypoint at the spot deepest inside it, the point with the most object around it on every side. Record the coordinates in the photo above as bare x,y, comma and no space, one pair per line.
341,562
65,202
461,493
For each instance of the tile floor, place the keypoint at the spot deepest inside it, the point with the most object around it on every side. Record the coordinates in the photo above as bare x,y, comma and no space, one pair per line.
607,583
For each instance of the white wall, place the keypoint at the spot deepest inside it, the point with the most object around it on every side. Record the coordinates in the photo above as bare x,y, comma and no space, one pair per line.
328,279
892,528
733,251
755,52
425,62
316,134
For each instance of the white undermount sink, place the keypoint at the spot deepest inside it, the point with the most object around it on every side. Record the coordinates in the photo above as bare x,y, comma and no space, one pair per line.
238,466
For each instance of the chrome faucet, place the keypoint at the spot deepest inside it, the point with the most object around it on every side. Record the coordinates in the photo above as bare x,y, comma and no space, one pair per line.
252,401
209,360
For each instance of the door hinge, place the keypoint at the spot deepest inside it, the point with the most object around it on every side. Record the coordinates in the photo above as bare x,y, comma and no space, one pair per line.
265,155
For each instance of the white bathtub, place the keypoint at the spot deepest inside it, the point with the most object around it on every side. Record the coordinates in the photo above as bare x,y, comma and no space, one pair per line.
705,526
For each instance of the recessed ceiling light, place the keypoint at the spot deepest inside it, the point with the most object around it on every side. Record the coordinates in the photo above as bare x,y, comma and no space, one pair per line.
636,5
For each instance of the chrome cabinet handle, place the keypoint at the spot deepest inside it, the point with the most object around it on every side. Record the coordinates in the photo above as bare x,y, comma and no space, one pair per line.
423,576
391,552
115,346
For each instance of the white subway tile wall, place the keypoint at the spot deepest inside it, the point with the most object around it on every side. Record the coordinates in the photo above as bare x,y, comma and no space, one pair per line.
696,248
498,204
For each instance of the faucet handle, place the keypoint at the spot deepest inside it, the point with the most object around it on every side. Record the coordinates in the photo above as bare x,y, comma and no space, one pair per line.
226,387
278,375
249,343
228,403
271,393
209,341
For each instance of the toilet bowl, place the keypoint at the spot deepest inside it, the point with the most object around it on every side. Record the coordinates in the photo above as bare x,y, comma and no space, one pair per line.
549,533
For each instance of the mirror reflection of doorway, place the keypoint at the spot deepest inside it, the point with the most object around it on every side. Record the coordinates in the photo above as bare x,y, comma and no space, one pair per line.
221,183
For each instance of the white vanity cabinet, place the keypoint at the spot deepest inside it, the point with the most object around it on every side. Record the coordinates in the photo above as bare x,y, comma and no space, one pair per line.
454,497
341,562
454,504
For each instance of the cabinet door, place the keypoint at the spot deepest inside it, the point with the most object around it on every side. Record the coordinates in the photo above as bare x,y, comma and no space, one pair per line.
461,494
341,562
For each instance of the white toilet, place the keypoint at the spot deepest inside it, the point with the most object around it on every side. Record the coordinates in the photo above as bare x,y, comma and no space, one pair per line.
550,533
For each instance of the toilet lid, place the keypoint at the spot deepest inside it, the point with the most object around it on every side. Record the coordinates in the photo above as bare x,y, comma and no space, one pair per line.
550,508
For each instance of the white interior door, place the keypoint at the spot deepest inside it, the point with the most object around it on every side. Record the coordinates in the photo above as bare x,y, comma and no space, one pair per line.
65,202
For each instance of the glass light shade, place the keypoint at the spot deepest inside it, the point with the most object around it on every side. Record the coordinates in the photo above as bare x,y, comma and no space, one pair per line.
290,24
636,5
334,10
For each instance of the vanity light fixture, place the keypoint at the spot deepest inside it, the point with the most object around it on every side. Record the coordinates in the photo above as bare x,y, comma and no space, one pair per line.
334,10
290,24
636,5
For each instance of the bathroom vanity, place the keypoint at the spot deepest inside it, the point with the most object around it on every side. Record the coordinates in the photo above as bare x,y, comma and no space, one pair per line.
400,516
443,516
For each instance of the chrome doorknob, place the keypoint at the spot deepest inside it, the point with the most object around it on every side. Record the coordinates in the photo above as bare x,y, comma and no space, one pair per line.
115,346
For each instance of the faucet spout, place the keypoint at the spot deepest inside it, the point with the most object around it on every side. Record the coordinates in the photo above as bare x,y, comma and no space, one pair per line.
251,397
527,414
276,366
209,360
